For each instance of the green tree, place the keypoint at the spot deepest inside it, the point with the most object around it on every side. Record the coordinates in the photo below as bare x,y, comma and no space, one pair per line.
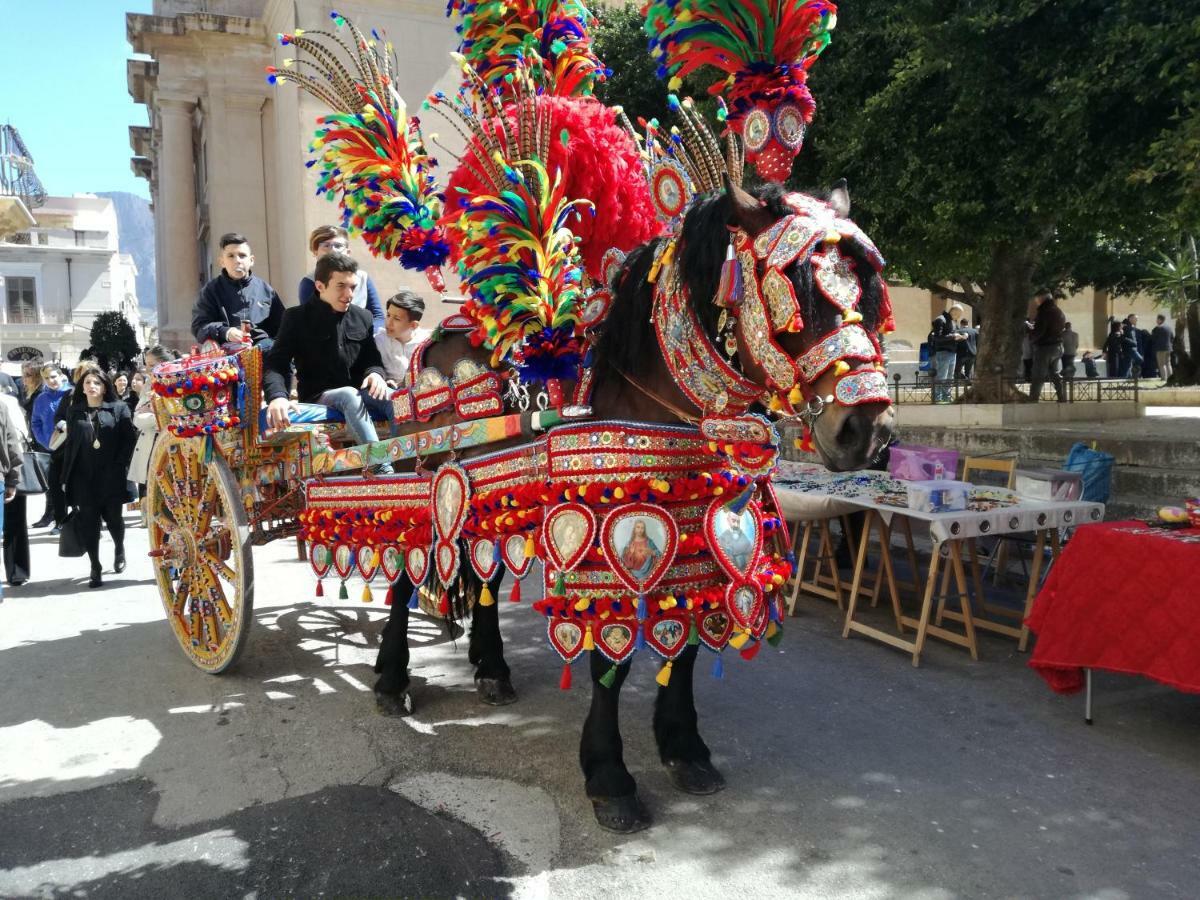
113,340
1175,281
622,46
993,146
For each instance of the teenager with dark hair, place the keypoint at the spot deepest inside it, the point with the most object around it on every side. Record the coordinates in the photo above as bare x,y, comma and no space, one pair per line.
236,296
96,454
332,345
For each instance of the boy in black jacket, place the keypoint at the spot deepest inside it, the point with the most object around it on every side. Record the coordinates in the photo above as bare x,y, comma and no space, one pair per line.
333,345
236,296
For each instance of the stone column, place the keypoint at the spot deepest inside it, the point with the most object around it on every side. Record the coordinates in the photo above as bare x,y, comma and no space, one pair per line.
175,221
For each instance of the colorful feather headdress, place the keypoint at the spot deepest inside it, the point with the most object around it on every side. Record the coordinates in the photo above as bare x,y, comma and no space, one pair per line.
764,48
519,262
549,38
370,153
684,161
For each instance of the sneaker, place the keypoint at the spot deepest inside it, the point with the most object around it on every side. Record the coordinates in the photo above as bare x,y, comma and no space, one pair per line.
55,531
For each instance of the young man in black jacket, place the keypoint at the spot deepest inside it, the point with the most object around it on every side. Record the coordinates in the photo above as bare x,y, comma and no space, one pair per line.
236,296
1045,336
333,345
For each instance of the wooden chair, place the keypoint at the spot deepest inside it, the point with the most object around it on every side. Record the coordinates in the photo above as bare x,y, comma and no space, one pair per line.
983,471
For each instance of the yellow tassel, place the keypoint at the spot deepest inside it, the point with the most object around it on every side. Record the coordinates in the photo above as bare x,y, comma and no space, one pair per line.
486,598
664,674
774,404
589,642
530,550
738,641
795,398
366,595
772,629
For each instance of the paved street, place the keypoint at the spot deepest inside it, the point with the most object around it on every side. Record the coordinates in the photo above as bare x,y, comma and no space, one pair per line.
124,772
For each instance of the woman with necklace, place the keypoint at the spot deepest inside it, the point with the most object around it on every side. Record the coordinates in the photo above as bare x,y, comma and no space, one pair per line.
100,439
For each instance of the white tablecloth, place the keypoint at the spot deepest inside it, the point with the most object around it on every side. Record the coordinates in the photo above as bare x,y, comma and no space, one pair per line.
810,490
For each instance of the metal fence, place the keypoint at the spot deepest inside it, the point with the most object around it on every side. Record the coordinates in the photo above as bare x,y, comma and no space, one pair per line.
1077,390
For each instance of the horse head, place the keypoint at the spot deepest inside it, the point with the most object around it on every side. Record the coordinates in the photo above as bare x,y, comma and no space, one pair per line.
762,299
802,259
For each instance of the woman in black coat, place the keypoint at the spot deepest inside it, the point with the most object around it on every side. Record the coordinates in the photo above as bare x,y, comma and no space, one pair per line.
99,444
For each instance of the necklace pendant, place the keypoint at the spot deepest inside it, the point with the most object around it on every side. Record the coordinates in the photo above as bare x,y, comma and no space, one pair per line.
96,444
730,343
722,319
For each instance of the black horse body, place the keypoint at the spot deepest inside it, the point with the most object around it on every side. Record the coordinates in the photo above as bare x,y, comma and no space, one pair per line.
627,346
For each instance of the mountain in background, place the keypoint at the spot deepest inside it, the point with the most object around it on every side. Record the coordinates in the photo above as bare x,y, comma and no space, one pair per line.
136,225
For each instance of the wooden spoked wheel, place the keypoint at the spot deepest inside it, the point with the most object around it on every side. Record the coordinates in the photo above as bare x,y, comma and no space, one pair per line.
200,543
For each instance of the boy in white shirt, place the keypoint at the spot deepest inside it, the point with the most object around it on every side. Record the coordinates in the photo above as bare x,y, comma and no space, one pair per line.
402,334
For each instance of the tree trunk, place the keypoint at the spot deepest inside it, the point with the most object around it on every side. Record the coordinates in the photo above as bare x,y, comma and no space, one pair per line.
1187,359
1006,299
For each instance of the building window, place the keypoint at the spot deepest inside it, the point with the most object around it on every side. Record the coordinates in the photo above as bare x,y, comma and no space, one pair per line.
21,297
43,239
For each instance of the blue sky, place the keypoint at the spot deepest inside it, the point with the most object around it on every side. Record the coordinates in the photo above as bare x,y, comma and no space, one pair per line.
62,69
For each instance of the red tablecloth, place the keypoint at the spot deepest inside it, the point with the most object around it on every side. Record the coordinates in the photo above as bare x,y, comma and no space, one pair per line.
1123,597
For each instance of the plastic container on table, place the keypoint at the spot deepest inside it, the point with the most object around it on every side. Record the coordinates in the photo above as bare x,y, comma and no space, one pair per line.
938,496
1048,484
913,462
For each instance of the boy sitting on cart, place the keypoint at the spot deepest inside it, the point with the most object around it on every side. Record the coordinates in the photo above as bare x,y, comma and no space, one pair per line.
338,366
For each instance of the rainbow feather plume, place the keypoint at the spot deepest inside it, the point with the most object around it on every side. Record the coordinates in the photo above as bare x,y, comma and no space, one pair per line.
549,38
756,44
522,270
370,153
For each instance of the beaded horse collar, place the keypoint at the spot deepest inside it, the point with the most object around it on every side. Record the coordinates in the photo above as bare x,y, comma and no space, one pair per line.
758,302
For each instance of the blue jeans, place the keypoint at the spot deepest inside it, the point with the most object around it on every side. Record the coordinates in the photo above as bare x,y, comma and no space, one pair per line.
358,407
943,363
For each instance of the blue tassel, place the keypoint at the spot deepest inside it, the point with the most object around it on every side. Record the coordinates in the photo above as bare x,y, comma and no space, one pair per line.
718,667
774,610
639,642
740,502
642,610
412,601
791,560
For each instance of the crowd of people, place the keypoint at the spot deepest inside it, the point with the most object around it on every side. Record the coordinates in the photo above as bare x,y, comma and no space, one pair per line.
90,432
1050,349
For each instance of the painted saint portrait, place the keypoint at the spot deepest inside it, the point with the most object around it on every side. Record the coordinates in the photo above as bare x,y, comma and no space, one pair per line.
736,534
641,551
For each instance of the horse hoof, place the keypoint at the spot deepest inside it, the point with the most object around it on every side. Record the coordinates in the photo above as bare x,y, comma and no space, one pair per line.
694,777
495,691
394,705
624,815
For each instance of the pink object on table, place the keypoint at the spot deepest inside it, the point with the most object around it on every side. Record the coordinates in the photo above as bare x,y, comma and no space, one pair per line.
912,462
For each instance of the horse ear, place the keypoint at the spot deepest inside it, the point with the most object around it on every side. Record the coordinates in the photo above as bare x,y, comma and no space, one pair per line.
746,211
839,198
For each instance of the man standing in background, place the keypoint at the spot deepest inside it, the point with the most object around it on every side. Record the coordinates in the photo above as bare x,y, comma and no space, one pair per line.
1160,342
1045,339
1070,342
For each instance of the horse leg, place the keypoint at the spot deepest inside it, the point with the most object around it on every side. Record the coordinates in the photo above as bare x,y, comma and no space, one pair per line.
486,649
609,785
391,688
680,746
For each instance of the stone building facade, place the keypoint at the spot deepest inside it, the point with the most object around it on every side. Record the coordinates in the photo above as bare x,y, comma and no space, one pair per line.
57,274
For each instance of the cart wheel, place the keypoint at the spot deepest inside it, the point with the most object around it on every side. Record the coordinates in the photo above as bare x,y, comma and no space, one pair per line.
200,542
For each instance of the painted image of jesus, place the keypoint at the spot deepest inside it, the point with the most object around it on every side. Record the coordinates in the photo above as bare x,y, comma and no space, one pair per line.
641,554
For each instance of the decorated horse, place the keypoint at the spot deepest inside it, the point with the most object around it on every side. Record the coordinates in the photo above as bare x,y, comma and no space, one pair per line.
612,421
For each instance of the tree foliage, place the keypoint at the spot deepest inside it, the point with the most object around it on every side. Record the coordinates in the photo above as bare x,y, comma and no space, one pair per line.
113,340
995,145
620,44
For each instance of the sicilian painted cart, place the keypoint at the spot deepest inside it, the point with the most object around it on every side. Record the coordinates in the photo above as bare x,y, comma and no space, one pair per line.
220,485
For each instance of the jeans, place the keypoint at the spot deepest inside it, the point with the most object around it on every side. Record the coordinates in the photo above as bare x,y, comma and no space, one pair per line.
358,407
943,362
1047,361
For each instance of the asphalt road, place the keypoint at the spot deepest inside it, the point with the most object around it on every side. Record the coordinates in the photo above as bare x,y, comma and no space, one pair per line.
124,772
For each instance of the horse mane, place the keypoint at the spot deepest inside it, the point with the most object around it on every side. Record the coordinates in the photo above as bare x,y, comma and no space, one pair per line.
627,340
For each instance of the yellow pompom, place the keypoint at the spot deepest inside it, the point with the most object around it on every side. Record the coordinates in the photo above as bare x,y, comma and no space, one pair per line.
851,316
795,397
831,237
664,674
298,32
674,83
486,598
581,605
841,368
